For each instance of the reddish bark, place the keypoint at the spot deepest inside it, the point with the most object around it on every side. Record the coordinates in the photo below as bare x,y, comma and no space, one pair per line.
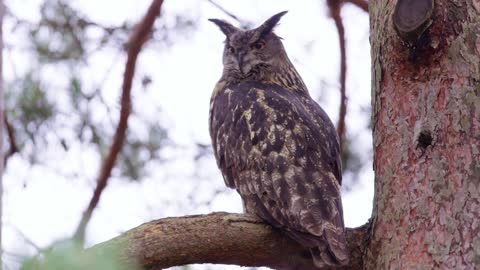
426,115
362,4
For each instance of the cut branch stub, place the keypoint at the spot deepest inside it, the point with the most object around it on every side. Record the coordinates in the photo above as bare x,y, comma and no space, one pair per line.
411,18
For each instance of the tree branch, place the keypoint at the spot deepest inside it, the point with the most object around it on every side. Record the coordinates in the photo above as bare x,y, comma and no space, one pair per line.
13,148
138,38
362,4
220,238
335,9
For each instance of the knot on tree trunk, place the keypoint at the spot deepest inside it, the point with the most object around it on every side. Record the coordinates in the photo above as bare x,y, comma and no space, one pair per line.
412,18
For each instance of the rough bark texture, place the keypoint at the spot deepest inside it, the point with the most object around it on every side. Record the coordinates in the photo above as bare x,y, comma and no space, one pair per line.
426,134
218,238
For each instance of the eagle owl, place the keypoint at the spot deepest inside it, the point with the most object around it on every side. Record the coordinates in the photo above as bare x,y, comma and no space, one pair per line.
275,145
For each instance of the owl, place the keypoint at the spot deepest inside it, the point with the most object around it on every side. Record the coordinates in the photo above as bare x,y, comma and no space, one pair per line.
275,145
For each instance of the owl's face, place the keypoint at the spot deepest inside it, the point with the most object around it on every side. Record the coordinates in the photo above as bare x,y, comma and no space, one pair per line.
251,49
247,49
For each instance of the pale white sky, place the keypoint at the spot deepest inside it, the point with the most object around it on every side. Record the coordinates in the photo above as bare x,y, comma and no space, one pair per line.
49,206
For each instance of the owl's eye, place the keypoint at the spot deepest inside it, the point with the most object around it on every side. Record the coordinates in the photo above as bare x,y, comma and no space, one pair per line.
231,49
259,45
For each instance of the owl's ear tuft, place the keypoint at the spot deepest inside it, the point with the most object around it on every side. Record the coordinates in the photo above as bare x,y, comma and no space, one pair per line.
225,27
269,24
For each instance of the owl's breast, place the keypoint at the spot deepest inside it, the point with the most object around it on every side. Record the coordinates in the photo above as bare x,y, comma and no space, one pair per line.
254,121
242,111
268,127
234,118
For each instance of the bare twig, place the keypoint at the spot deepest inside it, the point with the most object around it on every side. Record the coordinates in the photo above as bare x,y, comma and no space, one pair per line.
11,140
28,240
335,9
362,4
137,40
224,238
231,15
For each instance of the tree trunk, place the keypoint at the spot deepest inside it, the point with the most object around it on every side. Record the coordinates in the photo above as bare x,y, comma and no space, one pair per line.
426,136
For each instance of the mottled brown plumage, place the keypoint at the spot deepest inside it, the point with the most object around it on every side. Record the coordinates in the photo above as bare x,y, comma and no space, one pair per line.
275,145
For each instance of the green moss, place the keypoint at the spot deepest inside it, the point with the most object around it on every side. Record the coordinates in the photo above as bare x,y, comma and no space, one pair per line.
70,255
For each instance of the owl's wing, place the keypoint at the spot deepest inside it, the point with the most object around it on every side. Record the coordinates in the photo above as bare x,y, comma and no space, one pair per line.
280,151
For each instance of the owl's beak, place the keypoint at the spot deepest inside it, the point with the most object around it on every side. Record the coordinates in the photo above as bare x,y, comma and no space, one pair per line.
240,56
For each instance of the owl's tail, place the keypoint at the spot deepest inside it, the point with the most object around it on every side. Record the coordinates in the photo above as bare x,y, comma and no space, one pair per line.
333,252
329,250
323,257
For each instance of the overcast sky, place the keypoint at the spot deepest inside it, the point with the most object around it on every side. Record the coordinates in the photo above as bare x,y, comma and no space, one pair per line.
49,206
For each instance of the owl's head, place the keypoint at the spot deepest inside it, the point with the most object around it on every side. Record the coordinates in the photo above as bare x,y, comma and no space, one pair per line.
247,51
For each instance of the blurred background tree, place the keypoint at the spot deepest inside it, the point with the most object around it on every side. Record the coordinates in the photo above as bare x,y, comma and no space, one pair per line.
64,63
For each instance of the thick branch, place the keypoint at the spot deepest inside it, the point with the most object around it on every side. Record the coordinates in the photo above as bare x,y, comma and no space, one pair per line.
136,41
220,238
